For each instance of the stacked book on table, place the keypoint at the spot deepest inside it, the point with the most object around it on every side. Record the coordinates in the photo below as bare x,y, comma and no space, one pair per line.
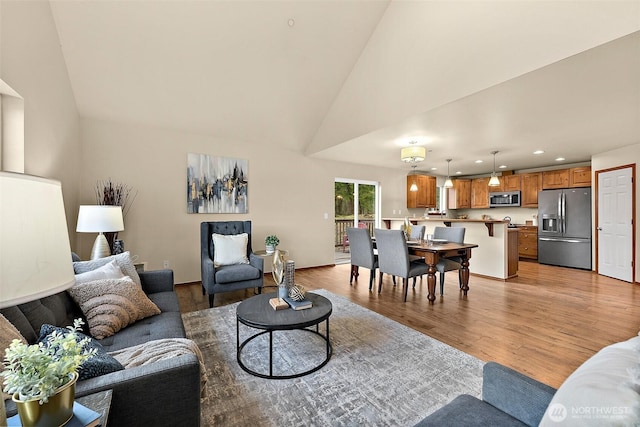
82,417
286,302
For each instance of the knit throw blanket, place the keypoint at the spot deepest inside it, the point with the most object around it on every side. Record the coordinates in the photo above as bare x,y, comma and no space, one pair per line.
152,351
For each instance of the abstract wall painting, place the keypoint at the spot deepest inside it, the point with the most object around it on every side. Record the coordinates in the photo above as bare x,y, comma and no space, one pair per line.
216,184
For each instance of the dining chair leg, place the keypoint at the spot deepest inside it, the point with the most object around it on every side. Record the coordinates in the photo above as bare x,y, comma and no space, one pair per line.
441,283
405,283
371,279
380,283
414,281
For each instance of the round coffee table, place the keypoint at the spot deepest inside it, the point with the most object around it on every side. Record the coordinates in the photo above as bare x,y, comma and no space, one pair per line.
256,312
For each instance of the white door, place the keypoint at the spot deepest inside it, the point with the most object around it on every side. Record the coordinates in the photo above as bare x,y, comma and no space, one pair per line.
614,227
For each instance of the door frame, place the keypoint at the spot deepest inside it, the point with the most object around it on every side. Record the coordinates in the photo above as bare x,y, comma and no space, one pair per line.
377,202
632,166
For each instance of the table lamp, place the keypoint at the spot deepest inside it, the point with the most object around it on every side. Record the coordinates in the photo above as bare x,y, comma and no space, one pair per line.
100,219
35,255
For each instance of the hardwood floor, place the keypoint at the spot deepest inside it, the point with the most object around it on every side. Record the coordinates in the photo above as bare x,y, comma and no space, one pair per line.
544,323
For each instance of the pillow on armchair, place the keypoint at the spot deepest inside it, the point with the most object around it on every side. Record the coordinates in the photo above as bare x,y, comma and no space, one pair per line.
230,249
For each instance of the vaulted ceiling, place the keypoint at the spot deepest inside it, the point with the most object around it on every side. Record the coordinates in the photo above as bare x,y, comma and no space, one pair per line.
356,80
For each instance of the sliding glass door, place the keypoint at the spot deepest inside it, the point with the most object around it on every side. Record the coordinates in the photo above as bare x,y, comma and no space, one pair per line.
356,205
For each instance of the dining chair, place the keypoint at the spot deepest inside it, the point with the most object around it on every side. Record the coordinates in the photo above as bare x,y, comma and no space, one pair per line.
362,254
345,237
454,235
393,258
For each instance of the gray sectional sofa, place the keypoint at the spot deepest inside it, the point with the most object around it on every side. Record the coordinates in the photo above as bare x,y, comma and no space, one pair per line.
603,391
164,393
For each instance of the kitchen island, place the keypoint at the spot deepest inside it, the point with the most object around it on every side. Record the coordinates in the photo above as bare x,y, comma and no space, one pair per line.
493,257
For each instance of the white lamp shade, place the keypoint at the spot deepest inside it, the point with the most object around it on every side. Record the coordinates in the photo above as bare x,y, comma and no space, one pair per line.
494,181
99,219
35,255
413,154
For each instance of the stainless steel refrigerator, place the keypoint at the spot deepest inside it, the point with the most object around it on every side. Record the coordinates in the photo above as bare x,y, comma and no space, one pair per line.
564,227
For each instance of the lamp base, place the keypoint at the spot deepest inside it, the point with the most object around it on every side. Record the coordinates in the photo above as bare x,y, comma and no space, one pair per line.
100,248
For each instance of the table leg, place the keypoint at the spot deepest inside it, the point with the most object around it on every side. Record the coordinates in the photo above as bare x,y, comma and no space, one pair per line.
327,336
271,353
464,275
431,282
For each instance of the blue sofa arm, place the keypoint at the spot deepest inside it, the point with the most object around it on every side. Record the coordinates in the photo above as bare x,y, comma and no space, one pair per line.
156,281
515,394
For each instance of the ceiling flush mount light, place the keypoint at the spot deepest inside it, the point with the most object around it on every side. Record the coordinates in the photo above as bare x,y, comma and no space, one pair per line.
448,183
538,152
413,153
494,181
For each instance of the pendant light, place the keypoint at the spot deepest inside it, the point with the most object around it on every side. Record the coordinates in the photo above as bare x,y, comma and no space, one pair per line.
414,185
494,181
448,183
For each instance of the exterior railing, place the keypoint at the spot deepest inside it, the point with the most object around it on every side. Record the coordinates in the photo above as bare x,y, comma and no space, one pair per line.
343,224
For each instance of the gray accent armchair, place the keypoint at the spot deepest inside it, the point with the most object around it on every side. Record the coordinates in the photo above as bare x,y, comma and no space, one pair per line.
228,278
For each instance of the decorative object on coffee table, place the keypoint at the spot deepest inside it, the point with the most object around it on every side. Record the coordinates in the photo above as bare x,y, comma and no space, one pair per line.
278,273
297,292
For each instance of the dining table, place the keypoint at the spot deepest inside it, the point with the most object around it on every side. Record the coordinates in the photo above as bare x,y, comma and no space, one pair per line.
433,251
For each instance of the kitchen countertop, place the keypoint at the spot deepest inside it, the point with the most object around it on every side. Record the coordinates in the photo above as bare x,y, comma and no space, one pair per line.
447,221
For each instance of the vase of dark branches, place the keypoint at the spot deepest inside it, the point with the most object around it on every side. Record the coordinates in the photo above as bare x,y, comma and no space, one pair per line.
115,194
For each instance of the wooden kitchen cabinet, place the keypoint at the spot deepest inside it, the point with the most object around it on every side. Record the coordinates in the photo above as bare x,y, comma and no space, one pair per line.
510,182
528,242
580,177
531,185
558,178
459,197
480,193
425,197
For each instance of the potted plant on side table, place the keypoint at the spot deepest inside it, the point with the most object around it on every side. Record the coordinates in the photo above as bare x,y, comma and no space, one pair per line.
270,243
42,376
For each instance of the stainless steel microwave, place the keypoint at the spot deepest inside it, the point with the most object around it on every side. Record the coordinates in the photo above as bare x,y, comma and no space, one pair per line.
504,198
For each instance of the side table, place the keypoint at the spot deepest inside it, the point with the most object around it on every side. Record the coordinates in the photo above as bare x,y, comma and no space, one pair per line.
99,402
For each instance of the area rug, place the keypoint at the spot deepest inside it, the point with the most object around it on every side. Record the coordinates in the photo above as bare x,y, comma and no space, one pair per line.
381,372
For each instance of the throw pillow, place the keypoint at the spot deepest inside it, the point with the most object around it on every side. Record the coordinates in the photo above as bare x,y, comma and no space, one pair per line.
111,304
101,363
8,333
123,260
230,249
107,271
600,392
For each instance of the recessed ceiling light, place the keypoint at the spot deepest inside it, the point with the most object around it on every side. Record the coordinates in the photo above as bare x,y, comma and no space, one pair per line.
538,152
291,22
559,159
478,161
459,173
434,169
502,167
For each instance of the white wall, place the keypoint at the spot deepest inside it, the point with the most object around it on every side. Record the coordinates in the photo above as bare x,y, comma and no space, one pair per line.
621,157
32,64
288,193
